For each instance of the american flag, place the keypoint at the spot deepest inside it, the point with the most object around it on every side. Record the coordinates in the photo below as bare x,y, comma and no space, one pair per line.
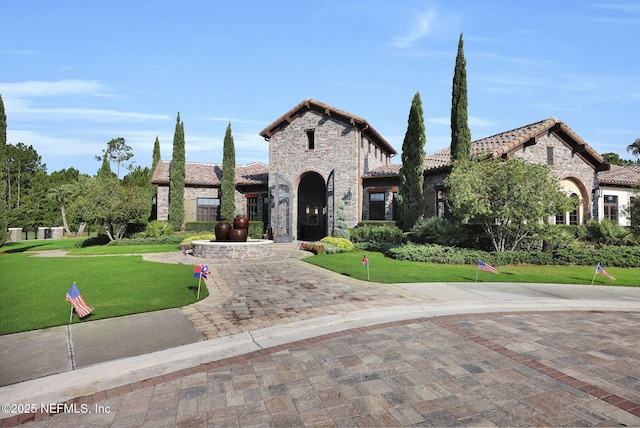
600,271
486,267
75,298
365,261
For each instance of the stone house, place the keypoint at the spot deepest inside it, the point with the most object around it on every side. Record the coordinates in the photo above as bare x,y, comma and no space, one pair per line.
320,157
202,190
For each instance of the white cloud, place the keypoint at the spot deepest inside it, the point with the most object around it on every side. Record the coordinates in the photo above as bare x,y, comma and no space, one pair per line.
95,115
423,25
35,88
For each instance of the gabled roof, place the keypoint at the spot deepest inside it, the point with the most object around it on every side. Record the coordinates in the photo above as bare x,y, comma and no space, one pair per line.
509,141
210,174
341,115
627,176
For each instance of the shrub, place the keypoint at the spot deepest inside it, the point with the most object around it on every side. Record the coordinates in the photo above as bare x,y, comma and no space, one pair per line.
157,228
256,229
437,230
377,234
605,232
341,229
343,245
201,226
615,256
315,248
201,237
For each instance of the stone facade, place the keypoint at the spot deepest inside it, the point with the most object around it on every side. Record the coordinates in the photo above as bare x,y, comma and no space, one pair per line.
306,149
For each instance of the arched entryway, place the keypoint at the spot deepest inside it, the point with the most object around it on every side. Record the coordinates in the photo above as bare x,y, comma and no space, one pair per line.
312,207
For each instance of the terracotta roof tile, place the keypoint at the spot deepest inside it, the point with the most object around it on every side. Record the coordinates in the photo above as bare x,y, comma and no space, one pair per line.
505,142
621,176
210,174
390,170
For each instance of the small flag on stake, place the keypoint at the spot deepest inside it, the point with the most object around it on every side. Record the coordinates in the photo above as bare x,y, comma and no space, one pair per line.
485,267
365,263
75,298
600,271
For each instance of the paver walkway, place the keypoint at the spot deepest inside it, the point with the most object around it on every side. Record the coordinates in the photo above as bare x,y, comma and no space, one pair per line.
258,293
563,368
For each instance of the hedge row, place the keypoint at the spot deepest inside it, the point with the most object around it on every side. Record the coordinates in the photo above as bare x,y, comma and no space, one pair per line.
609,256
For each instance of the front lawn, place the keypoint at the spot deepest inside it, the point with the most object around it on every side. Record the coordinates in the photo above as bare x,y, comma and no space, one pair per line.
33,289
387,270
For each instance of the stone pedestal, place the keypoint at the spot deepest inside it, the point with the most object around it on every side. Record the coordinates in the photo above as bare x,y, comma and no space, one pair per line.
15,234
50,232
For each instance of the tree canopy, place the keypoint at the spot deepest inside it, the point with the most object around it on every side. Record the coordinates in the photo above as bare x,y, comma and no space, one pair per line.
177,173
228,182
634,148
410,195
508,198
112,205
117,151
460,133
3,148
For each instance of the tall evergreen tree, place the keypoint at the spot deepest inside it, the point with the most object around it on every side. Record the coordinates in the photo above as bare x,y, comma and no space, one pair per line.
156,154
460,134
410,193
228,182
105,168
3,190
177,173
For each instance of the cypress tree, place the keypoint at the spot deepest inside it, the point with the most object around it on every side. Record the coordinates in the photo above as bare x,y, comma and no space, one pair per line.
460,134
177,172
410,197
228,182
3,184
156,154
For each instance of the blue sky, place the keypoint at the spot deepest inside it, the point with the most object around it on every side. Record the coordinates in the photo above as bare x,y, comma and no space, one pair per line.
76,74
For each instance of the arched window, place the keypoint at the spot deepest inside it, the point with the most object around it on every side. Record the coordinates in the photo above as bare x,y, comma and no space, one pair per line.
574,216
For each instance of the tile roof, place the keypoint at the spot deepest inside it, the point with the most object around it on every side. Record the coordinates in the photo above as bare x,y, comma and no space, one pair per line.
210,174
390,170
311,104
621,176
505,142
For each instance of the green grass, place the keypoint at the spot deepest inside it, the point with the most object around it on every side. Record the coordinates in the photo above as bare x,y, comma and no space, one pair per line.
33,289
386,270
69,245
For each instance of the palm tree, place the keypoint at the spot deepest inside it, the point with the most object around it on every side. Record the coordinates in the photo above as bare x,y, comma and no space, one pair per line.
634,148
61,194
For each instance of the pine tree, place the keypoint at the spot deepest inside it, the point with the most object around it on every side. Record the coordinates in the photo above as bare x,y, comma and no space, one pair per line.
156,154
3,185
228,182
410,196
177,172
105,168
460,134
